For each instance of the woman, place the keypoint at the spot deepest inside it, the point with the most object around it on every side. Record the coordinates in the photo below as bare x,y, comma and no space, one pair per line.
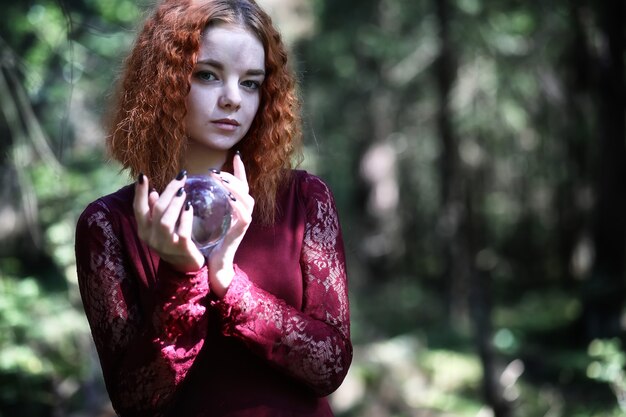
261,326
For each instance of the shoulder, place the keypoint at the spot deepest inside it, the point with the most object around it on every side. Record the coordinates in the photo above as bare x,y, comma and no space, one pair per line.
314,195
108,207
310,185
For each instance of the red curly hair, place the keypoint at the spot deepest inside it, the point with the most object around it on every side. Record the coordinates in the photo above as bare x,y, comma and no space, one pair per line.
146,126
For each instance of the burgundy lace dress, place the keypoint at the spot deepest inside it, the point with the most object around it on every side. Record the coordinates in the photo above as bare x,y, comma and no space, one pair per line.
275,345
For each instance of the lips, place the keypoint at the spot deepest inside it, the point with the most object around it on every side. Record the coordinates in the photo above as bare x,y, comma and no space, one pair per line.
228,122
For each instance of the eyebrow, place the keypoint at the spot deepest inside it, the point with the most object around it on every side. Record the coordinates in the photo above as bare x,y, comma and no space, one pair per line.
220,66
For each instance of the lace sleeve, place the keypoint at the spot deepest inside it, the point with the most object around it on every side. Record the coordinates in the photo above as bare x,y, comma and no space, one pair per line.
145,347
312,345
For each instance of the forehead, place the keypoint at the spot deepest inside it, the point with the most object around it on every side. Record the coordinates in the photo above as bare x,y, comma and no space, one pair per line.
233,44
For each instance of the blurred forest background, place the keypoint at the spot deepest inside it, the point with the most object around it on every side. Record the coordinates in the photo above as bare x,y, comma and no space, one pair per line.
477,152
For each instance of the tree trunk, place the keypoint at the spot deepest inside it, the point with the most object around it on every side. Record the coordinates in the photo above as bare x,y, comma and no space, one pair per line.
469,290
604,295
456,274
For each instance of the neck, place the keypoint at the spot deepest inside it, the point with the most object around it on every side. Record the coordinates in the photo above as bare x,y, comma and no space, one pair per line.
199,160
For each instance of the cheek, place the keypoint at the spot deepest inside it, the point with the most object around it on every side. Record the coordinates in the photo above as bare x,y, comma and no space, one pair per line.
200,100
254,108
193,103
196,112
189,116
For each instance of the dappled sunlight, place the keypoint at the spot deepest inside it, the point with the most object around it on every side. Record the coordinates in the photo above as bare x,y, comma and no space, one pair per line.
476,156
402,374
44,344
378,167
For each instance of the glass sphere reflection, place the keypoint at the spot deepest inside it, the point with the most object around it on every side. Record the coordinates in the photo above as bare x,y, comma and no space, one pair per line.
211,211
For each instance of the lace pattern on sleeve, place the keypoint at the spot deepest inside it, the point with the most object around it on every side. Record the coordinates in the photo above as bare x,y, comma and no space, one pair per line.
312,345
141,366
103,284
323,261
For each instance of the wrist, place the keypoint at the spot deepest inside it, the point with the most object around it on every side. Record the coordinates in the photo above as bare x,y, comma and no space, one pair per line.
221,275
192,264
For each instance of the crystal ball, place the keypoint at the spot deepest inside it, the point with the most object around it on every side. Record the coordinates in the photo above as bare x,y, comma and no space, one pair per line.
211,211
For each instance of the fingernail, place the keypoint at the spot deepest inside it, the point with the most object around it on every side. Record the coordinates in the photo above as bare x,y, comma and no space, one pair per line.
140,178
181,175
232,197
152,190
187,205
180,191
225,180
216,171
238,153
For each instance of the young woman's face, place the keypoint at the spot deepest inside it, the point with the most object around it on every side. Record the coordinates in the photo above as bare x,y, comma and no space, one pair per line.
225,87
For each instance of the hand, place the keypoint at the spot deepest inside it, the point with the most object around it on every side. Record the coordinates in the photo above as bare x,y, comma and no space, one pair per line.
221,271
164,223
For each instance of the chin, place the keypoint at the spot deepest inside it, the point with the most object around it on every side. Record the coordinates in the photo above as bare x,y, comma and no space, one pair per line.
212,144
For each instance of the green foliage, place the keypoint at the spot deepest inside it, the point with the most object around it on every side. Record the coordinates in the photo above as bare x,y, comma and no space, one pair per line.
45,344
373,79
402,374
607,366
44,347
47,365
526,140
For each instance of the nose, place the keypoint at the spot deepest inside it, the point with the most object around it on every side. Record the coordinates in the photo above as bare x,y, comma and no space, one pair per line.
230,97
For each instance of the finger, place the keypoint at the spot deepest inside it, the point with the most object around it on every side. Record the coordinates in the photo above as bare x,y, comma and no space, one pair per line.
140,201
232,184
236,189
153,196
239,170
171,215
242,208
165,199
186,222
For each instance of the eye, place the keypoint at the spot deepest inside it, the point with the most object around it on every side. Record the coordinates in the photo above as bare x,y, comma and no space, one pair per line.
251,84
205,75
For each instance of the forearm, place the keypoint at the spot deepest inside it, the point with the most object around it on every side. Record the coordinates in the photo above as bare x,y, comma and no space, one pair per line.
308,349
147,337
